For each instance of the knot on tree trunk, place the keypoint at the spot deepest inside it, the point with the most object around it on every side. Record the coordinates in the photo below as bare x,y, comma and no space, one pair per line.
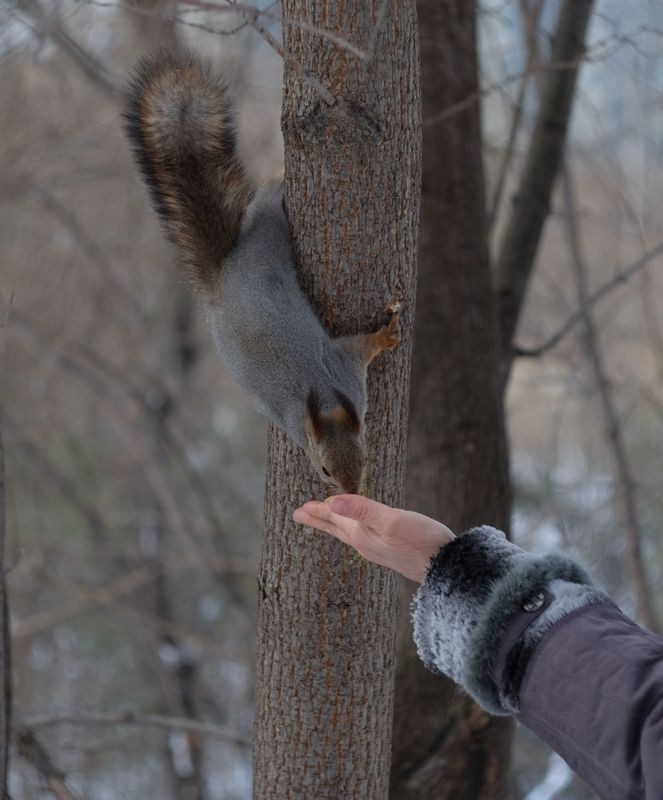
348,124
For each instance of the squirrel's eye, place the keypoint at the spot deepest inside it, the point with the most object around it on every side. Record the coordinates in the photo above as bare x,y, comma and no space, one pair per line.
324,469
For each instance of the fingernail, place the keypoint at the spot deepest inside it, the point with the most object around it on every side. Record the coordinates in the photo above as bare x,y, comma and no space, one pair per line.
338,505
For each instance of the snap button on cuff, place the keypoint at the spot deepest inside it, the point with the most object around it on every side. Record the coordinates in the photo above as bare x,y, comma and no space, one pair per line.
534,602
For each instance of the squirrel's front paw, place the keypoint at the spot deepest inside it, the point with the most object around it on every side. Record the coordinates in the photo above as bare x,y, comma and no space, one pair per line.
385,338
390,334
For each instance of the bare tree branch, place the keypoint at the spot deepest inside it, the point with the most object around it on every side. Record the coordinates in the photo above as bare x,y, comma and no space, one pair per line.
143,12
362,55
195,551
457,453
326,95
89,247
601,51
102,595
39,622
65,487
247,12
626,486
619,279
131,718
252,15
34,752
530,20
50,26
90,365
531,203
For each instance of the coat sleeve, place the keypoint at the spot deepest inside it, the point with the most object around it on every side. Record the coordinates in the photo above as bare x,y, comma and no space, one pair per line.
530,636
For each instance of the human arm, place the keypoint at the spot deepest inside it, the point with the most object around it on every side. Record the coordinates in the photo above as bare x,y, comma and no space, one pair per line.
524,635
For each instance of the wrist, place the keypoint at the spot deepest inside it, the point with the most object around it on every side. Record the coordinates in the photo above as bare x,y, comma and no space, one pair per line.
417,568
472,590
423,560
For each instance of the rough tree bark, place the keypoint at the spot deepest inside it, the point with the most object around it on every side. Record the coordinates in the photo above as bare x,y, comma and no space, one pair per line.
326,625
445,746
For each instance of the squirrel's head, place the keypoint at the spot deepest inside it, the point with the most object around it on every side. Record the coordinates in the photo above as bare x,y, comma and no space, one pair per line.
335,442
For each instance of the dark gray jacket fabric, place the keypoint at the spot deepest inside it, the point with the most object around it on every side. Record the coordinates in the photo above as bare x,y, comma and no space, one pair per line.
530,636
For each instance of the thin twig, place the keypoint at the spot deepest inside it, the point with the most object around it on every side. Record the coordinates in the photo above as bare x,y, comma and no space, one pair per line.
157,478
131,718
91,599
530,18
88,245
50,26
252,15
620,278
98,74
326,95
144,12
344,44
522,234
82,358
363,55
34,752
143,620
600,51
68,489
626,485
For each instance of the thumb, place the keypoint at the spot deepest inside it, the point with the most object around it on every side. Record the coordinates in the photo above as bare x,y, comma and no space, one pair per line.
368,512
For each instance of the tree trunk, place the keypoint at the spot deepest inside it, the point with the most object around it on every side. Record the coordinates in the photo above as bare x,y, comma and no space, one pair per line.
326,627
177,677
5,649
626,484
445,746
531,202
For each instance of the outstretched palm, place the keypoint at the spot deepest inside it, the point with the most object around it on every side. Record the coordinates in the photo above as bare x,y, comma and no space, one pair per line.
400,540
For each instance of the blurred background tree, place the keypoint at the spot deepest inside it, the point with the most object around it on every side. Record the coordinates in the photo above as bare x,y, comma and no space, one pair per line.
465,323
135,468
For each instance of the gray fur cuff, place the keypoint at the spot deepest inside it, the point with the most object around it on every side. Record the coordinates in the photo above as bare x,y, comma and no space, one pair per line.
474,588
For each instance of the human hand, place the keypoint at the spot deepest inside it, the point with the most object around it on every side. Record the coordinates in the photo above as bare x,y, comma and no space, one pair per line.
401,540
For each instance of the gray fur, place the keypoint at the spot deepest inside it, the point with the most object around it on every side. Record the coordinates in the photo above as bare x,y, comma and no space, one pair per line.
236,245
266,332
474,586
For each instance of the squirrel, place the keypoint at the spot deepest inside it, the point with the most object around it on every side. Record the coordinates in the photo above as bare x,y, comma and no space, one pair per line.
235,243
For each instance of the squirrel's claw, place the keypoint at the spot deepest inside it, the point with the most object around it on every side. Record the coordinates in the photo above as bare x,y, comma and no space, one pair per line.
386,338
390,334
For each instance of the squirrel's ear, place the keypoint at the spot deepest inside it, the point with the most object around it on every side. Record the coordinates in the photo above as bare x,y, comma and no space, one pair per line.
347,413
314,420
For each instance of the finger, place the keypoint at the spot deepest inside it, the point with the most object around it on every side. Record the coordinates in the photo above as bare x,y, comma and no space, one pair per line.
344,528
327,526
370,513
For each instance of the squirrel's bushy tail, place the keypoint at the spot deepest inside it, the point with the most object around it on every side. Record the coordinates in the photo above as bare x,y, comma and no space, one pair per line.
179,120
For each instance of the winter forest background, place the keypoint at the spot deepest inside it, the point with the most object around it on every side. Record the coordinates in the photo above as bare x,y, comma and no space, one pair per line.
135,469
